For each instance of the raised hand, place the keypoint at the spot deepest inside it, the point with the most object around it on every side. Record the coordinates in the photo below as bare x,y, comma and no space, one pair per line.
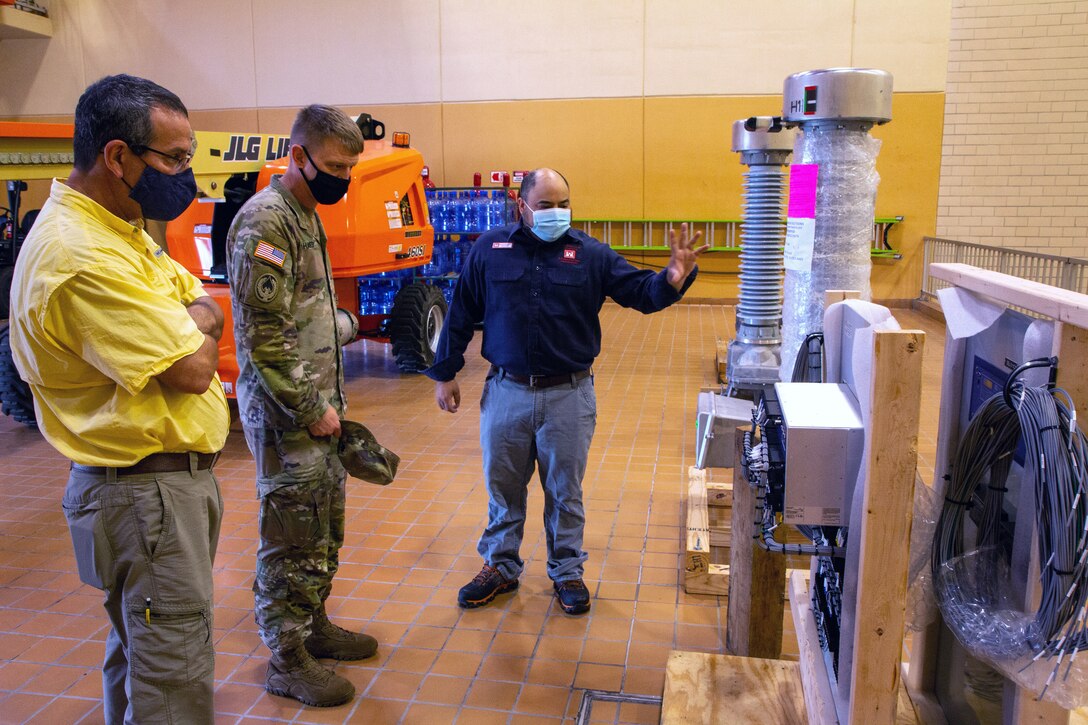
683,255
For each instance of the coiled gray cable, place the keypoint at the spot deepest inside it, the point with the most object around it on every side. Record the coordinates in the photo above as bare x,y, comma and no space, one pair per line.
1055,465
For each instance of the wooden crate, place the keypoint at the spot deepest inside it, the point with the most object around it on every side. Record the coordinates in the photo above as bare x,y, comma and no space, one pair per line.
709,513
722,357
709,507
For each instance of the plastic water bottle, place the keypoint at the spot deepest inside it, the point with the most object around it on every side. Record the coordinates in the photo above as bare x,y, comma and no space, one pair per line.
492,211
364,298
479,211
511,201
435,210
461,223
478,205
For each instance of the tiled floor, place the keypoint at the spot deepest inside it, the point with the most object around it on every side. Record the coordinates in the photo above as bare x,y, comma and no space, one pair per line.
411,545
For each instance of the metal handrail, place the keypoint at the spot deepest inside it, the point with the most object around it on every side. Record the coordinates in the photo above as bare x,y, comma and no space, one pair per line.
1070,273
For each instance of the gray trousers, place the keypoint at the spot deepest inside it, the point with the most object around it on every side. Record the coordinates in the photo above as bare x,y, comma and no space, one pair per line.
148,541
522,429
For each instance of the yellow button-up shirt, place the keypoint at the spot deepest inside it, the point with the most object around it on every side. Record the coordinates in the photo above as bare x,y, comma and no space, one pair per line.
97,312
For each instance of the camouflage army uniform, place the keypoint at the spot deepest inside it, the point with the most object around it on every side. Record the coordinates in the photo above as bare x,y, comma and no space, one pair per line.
290,367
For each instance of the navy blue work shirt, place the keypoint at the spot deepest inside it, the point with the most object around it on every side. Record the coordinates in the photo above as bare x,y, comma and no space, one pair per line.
539,302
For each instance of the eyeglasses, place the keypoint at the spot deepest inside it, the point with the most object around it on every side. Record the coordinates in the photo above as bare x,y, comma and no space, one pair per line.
177,163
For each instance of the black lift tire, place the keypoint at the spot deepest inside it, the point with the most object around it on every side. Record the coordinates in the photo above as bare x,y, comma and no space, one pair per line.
6,273
415,323
15,397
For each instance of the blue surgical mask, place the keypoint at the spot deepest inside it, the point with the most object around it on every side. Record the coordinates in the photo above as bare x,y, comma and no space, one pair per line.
550,224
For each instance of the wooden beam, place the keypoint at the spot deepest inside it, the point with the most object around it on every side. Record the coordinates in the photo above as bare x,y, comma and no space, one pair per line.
832,296
819,699
756,577
712,581
1060,304
719,493
710,689
883,533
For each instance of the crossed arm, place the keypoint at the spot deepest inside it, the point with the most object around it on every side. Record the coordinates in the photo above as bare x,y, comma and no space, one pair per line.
193,373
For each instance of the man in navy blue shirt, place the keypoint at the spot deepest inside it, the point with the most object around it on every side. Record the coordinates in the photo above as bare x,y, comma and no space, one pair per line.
538,287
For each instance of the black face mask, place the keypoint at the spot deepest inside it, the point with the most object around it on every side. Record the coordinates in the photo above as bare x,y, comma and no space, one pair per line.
326,188
163,197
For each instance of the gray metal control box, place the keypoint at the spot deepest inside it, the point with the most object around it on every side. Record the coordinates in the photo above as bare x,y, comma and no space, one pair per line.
717,418
824,440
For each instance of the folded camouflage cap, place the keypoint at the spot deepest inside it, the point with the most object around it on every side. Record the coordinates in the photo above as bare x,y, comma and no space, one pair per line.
365,458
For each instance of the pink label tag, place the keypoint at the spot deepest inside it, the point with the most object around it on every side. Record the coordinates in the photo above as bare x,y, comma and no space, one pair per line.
803,178
502,245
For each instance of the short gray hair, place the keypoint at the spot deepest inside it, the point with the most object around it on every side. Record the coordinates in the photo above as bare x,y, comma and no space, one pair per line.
316,124
118,108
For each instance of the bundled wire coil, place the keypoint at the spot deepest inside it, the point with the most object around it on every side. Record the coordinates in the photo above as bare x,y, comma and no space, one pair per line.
972,586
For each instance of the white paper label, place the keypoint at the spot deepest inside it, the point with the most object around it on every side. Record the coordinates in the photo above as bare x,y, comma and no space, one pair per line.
800,237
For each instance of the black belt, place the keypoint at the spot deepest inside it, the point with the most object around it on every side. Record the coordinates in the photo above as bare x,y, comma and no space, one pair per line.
544,381
155,463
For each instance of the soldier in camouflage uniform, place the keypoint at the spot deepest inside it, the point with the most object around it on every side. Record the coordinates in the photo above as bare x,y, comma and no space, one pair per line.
291,400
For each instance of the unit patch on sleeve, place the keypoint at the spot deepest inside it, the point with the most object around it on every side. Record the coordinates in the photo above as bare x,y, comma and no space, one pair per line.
269,253
266,287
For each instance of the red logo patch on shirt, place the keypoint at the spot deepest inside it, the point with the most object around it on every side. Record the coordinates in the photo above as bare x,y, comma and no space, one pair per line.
570,254
502,245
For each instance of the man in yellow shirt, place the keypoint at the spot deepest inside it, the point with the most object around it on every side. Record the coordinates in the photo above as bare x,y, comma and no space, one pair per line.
120,346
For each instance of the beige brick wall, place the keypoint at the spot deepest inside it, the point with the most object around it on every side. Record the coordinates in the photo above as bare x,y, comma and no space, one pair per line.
1014,168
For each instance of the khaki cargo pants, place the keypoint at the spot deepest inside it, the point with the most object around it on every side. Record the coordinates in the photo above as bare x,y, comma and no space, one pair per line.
148,541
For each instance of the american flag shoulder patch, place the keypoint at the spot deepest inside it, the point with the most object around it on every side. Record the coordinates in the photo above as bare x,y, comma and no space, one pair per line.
269,253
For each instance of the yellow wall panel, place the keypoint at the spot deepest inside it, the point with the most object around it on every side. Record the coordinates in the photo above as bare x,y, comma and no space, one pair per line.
691,173
234,120
597,144
909,165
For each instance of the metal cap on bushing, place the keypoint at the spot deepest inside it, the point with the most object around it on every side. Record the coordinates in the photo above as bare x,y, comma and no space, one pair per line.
838,94
766,146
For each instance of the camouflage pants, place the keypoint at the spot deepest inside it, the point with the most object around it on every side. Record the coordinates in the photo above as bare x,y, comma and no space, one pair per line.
300,483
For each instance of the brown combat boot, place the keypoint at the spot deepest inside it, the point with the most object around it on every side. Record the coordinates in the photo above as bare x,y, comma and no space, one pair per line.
295,673
332,642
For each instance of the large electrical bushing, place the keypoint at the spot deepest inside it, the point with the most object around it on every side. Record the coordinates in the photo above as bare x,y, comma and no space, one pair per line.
754,354
832,199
